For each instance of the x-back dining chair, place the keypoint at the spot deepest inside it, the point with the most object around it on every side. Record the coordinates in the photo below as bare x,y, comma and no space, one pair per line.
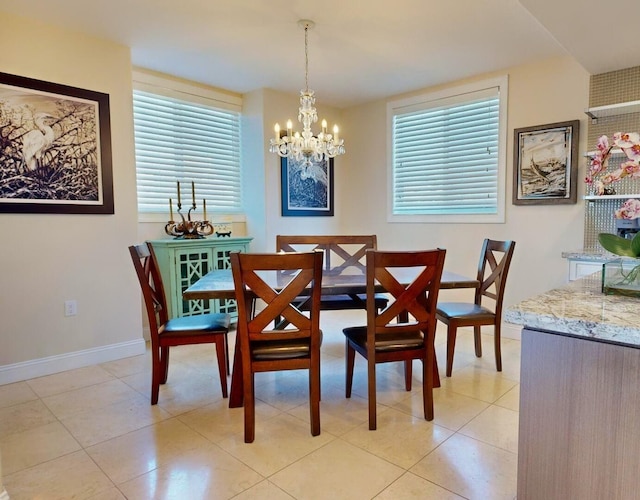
265,345
168,332
343,254
405,329
493,267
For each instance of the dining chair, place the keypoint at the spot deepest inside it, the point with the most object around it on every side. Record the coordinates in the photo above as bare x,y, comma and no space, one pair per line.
405,329
493,267
343,254
265,345
168,332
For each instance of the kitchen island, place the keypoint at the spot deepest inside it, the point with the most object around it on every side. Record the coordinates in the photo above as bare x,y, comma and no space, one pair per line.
579,431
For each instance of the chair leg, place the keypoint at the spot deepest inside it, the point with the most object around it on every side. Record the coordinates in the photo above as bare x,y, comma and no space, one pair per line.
371,383
477,340
155,376
408,374
451,345
249,409
428,382
226,355
222,364
164,364
350,359
314,397
496,341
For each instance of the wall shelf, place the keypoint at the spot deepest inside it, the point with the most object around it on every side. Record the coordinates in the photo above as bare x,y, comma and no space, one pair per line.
613,152
595,197
622,108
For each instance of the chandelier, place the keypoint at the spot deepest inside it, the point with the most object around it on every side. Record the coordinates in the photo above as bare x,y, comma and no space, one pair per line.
305,147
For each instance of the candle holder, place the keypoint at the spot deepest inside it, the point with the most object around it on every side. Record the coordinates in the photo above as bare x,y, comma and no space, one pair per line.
188,229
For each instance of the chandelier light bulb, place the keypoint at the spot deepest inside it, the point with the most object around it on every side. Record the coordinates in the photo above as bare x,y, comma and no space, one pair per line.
306,147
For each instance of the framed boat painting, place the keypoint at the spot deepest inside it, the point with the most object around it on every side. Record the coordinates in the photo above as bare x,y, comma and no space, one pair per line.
307,187
545,166
55,148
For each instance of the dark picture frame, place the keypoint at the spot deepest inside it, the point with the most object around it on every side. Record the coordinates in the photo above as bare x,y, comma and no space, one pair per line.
307,189
55,148
545,164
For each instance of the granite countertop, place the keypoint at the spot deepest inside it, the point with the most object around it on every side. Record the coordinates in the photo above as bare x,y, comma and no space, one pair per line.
590,255
581,309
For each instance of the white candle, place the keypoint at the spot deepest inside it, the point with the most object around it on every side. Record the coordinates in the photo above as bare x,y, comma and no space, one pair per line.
335,133
289,128
324,126
277,131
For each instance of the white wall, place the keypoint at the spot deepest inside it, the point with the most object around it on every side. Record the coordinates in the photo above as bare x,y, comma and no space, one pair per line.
547,92
46,259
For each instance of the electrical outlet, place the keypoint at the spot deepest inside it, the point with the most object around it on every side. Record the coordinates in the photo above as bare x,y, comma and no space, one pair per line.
70,308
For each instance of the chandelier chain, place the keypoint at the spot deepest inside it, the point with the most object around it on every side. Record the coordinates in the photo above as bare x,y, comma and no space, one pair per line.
306,58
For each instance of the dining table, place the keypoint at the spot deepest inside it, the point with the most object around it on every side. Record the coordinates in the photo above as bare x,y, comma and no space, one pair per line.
218,284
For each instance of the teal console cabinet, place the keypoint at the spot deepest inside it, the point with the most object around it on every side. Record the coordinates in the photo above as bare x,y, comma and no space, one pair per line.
183,262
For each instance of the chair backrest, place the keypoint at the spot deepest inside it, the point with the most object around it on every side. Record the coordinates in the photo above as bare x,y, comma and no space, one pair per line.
493,267
305,279
144,262
342,254
412,282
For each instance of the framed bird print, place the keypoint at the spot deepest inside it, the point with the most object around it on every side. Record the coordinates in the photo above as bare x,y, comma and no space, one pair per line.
545,166
307,187
55,148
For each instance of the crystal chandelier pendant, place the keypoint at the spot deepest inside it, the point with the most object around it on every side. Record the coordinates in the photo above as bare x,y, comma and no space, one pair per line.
306,147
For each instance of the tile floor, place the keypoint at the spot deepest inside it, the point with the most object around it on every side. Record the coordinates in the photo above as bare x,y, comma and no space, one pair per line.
91,432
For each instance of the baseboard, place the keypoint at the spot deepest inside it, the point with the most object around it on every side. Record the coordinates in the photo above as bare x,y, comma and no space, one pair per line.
68,361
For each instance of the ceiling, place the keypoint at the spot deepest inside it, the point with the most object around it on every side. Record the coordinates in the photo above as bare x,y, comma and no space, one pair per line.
358,50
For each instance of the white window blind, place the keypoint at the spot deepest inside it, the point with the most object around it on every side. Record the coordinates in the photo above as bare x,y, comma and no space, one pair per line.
186,141
446,156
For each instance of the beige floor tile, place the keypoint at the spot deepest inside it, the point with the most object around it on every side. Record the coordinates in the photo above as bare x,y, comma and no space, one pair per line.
337,413
203,472
486,385
262,490
126,457
91,427
279,442
13,394
35,446
471,469
338,470
217,421
450,409
110,494
411,486
129,366
400,438
71,476
20,417
511,399
496,426
69,380
92,398
283,389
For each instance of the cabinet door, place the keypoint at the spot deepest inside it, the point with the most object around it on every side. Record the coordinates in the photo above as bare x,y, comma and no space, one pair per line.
191,265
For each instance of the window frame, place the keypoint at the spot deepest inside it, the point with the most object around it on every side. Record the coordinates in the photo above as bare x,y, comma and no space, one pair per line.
192,92
428,100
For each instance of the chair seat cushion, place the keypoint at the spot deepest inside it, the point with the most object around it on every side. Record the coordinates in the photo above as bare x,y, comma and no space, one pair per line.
199,323
385,342
463,310
281,349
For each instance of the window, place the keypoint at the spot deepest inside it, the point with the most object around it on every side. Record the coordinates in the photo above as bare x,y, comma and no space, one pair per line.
187,136
448,155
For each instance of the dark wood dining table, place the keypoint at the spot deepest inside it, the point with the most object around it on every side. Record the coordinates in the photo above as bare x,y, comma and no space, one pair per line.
218,284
